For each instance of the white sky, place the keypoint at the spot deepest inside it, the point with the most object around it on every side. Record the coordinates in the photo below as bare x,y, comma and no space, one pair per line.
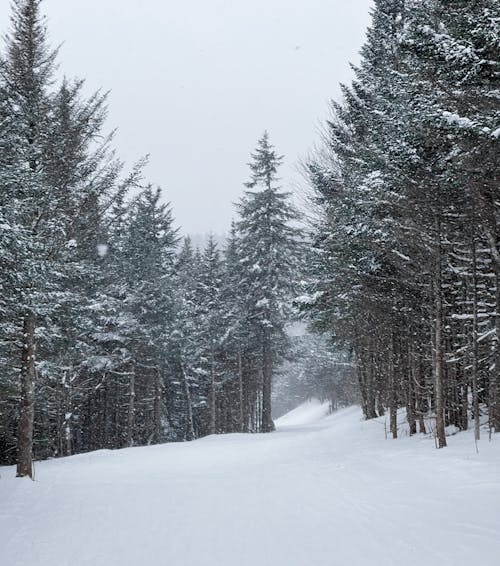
194,83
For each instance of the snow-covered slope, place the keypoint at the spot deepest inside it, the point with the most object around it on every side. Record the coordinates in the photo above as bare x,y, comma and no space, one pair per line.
321,491
305,414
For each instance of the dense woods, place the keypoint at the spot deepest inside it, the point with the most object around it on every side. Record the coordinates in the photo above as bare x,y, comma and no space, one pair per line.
113,331
405,270
116,332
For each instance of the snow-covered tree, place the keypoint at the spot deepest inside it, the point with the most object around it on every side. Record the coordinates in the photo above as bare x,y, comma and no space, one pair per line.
399,205
269,245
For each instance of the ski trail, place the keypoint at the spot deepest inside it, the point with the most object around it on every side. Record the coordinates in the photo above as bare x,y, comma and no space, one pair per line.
321,490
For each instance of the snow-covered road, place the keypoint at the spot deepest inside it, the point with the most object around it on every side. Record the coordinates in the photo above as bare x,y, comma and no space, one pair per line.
318,492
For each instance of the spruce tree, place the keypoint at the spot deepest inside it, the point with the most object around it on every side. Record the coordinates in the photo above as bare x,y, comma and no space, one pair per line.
403,214
269,248
58,182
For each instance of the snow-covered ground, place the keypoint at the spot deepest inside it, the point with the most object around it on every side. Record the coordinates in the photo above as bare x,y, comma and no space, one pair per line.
321,491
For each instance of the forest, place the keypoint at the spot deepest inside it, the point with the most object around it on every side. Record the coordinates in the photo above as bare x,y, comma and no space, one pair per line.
406,263
115,331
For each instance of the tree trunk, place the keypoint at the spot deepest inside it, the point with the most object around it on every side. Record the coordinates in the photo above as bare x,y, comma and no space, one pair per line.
438,343
370,385
190,434
267,373
242,425
393,395
213,394
365,371
27,409
362,387
421,394
131,409
157,408
410,391
475,353
68,416
494,389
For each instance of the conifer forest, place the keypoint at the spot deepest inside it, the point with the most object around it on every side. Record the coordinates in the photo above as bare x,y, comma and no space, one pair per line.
378,287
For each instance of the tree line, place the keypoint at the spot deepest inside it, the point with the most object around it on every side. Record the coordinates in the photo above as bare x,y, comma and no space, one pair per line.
113,332
405,269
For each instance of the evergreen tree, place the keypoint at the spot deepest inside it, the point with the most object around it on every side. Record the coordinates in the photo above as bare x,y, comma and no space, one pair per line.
211,323
58,180
396,257
269,248
185,399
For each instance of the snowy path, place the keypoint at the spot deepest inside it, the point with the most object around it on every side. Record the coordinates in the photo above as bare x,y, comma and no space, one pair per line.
319,492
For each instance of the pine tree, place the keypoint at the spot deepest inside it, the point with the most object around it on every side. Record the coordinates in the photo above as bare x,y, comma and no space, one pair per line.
396,245
210,320
185,399
26,72
148,256
58,181
236,342
269,247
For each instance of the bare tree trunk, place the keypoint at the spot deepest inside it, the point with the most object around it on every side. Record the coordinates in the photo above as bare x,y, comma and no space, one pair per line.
190,434
379,400
27,409
410,390
489,223
422,386
366,379
157,407
362,387
475,353
393,399
258,411
267,372
68,416
494,389
213,393
131,409
370,385
438,342
420,389
242,425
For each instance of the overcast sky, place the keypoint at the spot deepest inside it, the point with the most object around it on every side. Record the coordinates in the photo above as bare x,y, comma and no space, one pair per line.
194,83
